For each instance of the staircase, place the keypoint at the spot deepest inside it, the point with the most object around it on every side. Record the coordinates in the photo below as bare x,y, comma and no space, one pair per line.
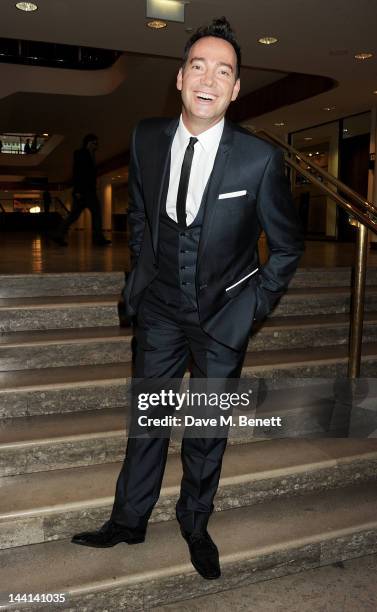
283,506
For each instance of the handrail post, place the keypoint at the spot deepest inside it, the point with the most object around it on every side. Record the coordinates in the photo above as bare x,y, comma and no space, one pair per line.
357,314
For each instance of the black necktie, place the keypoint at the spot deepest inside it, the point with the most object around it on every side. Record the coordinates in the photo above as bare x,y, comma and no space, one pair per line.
184,181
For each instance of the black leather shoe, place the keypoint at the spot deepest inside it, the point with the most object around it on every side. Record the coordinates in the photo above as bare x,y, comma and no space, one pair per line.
204,554
109,535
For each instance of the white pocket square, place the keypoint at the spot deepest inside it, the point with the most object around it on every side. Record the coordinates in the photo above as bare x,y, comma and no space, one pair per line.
232,194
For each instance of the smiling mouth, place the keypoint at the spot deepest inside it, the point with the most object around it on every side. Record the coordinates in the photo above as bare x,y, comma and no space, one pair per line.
204,97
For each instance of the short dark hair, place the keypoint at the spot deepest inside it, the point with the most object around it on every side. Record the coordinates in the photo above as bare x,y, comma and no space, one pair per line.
219,28
89,138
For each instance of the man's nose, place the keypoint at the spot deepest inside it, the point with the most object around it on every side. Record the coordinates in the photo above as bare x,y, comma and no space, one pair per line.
208,78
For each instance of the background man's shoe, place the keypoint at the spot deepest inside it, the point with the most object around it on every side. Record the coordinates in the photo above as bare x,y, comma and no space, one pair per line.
204,554
109,535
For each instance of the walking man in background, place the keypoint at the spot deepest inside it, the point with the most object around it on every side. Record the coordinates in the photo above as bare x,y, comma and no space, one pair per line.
201,191
84,193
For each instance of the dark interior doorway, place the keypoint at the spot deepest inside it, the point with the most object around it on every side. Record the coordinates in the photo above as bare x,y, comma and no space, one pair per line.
353,171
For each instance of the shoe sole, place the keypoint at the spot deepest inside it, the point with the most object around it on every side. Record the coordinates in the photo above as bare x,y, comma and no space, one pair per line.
92,545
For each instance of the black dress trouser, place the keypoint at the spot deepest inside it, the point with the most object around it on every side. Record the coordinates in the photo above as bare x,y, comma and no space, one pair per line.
168,338
88,199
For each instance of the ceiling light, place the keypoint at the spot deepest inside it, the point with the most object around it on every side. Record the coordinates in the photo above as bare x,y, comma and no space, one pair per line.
328,108
26,6
267,40
363,56
45,135
308,138
157,24
310,154
279,123
345,130
166,10
375,92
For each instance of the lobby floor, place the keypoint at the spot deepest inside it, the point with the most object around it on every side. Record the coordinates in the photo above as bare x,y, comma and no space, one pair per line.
28,253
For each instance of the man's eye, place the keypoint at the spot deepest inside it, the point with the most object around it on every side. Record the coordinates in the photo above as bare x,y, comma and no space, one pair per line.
196,66
224,72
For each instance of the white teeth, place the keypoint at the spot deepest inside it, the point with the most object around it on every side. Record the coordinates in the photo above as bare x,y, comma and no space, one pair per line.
205,96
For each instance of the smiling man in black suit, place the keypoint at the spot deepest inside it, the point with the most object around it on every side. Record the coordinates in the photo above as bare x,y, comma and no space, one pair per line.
201,191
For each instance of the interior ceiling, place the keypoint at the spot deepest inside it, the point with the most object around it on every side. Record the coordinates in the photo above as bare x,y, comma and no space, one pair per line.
309,34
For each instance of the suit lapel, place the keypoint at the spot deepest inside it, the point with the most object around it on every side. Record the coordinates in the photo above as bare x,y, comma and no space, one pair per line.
161,168
214,184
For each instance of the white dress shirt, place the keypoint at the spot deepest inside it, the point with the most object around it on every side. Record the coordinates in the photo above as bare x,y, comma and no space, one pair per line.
204,156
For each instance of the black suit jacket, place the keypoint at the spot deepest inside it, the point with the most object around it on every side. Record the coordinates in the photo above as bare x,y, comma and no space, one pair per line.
247,192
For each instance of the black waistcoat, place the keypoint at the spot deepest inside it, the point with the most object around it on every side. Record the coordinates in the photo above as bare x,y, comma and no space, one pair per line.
177,258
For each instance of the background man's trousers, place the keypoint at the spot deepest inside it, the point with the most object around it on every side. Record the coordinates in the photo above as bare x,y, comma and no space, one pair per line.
89,200
167,335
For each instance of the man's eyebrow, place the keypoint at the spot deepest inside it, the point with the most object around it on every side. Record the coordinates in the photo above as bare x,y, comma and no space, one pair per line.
202,59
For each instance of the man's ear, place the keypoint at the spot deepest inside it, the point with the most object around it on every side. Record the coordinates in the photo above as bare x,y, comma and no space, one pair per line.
179,79
236,90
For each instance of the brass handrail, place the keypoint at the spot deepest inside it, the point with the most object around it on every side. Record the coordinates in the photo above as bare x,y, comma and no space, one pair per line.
326,175
366,214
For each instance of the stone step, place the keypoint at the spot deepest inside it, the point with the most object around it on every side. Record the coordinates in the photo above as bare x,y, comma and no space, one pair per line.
102,345
337,276
317,330
42,313
103,283
313,409
270,539
37,313
320,300
112,344
61,284
53,505
65,347
37,444
73,389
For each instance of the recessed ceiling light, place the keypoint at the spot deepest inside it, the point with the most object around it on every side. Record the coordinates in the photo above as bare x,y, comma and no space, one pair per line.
328,108
310,154
26,6
157,24
375,92
45,135
268,40
279,123
308,138
363,56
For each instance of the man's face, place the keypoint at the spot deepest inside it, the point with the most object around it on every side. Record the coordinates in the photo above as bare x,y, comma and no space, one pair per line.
208,83
92,145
